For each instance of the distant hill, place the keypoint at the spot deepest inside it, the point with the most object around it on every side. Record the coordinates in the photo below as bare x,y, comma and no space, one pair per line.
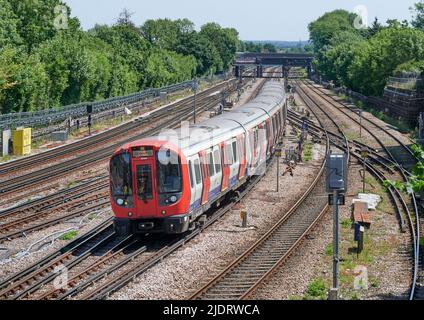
281,44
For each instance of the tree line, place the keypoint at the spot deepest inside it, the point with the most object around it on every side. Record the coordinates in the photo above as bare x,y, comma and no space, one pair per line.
363,58
47,60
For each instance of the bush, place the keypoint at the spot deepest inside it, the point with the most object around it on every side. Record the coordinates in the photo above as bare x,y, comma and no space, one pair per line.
317,289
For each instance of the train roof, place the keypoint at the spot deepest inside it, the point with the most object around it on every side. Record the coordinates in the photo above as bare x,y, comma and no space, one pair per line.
229,124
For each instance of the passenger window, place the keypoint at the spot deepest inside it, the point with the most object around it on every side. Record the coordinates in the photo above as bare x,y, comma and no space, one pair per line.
191,174
144,182
217,159
229,154
197,171
210,164
235,151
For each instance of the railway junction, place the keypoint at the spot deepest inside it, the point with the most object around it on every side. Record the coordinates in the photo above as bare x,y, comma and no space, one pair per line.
272,241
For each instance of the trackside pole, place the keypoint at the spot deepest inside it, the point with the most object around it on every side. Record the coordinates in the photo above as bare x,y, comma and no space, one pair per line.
334,292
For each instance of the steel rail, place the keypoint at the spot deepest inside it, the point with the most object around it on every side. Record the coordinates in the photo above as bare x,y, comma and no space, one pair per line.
20,182
415,229
101,138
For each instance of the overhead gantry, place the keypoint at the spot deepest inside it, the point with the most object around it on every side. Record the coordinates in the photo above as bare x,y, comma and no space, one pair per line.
259,62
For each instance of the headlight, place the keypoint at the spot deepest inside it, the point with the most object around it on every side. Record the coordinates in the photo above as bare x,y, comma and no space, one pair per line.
173,199
120,202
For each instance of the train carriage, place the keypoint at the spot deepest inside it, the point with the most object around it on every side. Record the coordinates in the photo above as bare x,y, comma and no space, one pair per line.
163,184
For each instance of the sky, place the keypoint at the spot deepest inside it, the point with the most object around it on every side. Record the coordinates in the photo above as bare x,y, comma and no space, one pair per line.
254,19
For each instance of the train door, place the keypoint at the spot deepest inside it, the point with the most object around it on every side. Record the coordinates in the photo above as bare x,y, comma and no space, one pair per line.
235,163
257,133
262,147
147,202
275,129
196,184
252,151
269,134
241,142
206,177
217,160
215,172
225,168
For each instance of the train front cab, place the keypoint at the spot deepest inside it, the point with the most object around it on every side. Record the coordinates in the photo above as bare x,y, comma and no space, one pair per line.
148,192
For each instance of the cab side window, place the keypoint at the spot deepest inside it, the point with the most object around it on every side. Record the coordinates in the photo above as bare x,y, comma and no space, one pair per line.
197,171
235,151
217,160
210,165
191,173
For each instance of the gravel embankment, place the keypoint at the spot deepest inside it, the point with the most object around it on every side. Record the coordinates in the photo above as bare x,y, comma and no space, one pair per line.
388,263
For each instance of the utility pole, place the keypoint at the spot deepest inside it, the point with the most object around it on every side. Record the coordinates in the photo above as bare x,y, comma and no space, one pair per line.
278,154
89,111
336,177
364,153
360,124
334,295
194,87
421,129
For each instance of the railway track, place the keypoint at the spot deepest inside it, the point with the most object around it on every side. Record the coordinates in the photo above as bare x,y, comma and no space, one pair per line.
401,154
171,119
248,272
242,277
403,157
37,275
90,261
99,140
66,204
88,144
62,206
94,196
101,263
408,214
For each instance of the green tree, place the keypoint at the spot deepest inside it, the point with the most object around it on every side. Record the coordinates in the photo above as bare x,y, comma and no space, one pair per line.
418,11
225,41
8,68
167,67
28,91
36,20
326,27
162,33
123,80
337,59
77,66
375,28
43,65
128,43
377,59
8,26
206,54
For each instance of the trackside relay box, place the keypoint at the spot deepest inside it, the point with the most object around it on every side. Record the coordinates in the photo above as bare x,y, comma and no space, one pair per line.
336,173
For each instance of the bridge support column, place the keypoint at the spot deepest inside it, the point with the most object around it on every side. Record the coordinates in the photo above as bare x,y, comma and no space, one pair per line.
309,72
237,71
259,72
286,71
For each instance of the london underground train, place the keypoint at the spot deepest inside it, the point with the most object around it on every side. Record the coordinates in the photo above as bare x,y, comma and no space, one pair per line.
166,184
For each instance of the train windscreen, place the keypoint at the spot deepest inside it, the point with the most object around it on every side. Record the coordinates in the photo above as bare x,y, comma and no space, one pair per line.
121,182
